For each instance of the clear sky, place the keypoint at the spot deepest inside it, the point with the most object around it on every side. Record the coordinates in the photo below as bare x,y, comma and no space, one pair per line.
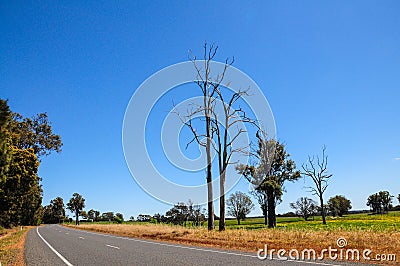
329,69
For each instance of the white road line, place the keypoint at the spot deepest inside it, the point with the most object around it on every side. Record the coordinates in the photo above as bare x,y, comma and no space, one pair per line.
67,233
112,246
81,237
52,249
201,249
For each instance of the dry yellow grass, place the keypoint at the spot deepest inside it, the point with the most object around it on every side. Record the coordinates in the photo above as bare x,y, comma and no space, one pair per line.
253,240
12,247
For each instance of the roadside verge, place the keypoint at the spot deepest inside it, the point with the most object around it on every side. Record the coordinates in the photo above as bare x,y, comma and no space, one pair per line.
12,246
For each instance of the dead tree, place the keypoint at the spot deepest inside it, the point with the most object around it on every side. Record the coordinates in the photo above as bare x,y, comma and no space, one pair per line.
218,125
316,169
205,83
223,124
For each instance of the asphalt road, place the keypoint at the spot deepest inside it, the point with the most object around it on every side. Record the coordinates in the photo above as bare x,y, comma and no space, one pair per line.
57,245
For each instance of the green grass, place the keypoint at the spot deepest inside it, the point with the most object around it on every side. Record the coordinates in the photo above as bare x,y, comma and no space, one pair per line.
384,222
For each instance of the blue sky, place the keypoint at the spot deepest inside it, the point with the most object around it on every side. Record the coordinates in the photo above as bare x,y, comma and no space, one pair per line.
329,69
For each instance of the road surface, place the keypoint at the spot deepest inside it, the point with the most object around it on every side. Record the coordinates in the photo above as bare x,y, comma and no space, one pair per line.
57,245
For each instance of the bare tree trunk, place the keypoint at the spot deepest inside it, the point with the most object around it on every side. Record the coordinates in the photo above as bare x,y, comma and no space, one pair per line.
265,211
222,202
238,219
211,225
210,90
322,209
271,208
76,218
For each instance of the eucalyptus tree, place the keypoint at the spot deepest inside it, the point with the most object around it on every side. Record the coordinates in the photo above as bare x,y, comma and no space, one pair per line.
23,141
273,168
339,205
76,205
224,123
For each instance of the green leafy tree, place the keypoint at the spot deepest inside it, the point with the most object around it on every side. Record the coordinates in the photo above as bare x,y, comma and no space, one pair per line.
58,208
239,205
21,193
93,215
90,214
48,217
386,200
120,216
76,205
304,207
178,214
35,133
268,177
108,216
84,214
5,162
380,202
54,212
5,141
339,205
398,198
22,142
375,203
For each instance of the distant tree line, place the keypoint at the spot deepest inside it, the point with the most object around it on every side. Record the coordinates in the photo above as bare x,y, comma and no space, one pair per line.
380,202
186,214
306,208
190,214
55,212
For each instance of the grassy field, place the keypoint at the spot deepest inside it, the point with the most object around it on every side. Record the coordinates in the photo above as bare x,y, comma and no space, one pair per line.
12,246
380,233
384,222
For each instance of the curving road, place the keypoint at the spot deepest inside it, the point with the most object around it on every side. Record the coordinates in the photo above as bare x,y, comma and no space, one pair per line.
57,245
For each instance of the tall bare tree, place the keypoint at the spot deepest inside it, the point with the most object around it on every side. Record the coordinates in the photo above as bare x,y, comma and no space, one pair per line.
222,120
205,82
227,131
317,169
